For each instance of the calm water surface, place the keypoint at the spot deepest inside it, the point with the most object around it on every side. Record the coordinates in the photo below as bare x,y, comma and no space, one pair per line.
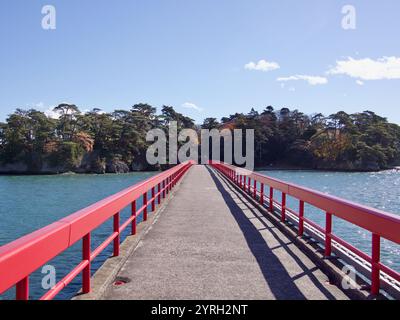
28,203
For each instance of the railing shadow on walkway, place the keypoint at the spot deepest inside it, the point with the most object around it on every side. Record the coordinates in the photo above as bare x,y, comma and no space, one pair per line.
282,285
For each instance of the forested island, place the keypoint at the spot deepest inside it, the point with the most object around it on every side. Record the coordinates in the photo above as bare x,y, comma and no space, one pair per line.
97,142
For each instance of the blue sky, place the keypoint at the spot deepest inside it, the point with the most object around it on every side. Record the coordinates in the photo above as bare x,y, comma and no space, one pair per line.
193,54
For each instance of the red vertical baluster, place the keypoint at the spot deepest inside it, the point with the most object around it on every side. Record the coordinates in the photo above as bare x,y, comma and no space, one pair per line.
163,186
283,211
145,204
271,199
376,257
328,234
249,185
301,218
22,291
153,199
262,194
255,189
159,193
117,238
133,213
86,271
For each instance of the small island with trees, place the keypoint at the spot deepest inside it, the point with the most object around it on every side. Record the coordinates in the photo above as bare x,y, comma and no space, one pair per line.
32,142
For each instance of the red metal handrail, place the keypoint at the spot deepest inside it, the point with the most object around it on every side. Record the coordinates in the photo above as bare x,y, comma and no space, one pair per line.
23,256
381,224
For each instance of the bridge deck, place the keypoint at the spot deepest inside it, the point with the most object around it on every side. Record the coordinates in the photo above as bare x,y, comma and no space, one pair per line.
211,243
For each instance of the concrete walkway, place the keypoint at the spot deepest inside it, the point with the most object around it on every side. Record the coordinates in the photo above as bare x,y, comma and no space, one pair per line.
211,243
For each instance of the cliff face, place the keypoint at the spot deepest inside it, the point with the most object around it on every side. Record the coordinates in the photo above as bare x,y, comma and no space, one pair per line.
350,166
86,163
13,168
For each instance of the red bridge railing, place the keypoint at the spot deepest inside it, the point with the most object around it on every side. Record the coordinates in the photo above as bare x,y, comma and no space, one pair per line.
381,224
22,257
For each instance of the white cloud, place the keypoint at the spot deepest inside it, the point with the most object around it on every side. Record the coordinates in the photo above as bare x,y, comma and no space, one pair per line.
312,80
52,114
262,65
190,105
47,110
360,83
368,69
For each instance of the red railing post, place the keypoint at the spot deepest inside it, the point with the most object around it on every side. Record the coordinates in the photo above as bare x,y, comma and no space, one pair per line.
301,218
163,186
133,214
375,272
271,199
249,185
241,181
283,207
22,290
145,206
86,257
159,193
153,199
262,194
117,238
255,189
328,235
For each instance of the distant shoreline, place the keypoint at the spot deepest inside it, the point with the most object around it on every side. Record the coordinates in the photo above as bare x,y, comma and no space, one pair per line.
294,168
262,168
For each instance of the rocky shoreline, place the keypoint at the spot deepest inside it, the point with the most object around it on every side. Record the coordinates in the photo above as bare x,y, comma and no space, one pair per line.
120,167
87,164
